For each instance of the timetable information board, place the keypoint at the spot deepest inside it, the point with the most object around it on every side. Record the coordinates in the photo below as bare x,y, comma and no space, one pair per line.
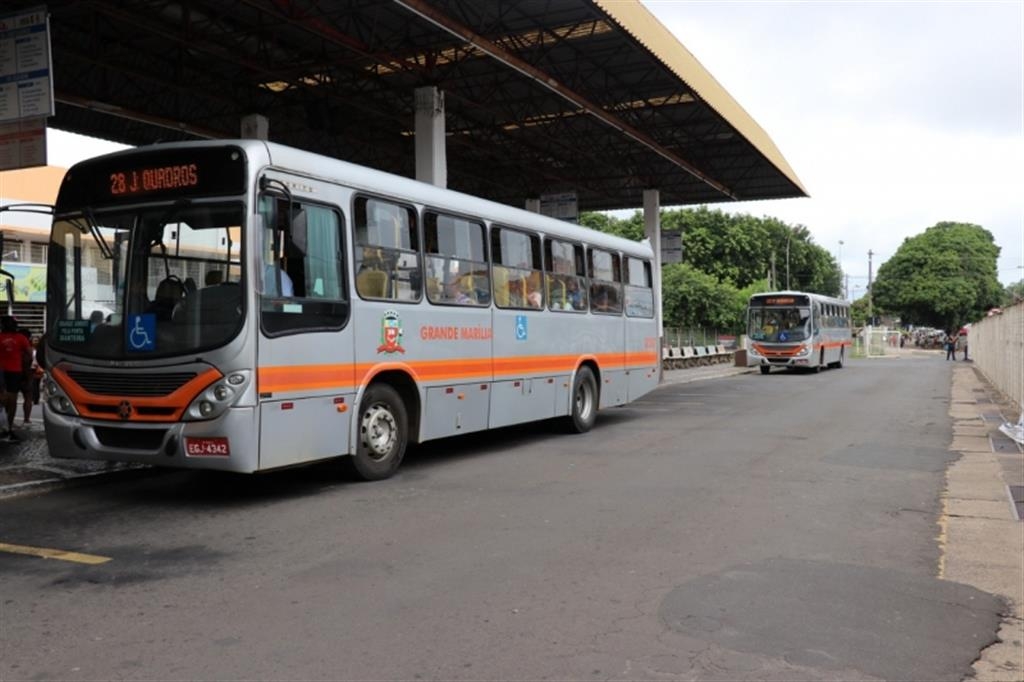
26,88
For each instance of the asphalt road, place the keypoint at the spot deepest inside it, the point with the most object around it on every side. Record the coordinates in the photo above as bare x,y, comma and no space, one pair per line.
753,527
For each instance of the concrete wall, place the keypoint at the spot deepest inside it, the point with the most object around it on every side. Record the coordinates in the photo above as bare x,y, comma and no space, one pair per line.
996,345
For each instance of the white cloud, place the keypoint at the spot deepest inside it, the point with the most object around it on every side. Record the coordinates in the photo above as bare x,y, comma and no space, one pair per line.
895,116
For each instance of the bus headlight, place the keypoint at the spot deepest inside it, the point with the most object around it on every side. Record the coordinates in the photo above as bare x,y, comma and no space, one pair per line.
804,350
218,396
56,399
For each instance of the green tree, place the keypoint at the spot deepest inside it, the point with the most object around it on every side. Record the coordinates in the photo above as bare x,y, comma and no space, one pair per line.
630,228
859,312
944,277
1014,293
696,299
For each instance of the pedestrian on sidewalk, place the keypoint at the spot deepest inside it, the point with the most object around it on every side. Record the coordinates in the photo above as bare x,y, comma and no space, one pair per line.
950,346
15,355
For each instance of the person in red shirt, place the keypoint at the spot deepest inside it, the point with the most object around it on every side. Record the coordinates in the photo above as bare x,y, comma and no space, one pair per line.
15,349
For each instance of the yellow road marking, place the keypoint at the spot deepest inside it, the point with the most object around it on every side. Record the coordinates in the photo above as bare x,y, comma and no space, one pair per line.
60,554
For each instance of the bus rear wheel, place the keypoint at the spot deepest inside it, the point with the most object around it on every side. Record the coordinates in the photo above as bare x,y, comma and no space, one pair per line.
584,401
383,434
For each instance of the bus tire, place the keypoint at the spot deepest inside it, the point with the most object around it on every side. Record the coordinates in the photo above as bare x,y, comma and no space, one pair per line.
383,432
765,369
821,363
583,411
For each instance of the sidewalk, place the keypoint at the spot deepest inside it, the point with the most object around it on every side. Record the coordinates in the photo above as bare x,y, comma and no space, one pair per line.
981,533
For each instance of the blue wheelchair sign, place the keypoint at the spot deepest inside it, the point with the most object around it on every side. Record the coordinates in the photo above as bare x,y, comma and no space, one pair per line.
520,327
142,332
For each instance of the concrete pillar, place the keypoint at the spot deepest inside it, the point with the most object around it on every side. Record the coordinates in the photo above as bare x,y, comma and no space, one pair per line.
532,205
652,230
431,160
255,127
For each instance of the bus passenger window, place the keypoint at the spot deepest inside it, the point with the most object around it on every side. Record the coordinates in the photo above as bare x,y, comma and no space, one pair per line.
605,282
639,288
387,250
456,260
566,270
517,269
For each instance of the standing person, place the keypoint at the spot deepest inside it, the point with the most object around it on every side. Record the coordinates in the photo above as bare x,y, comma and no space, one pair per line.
15,354
965,339
32,377
950,346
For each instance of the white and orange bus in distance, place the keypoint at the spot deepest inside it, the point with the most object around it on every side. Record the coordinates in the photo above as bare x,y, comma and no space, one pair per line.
795,329
246,306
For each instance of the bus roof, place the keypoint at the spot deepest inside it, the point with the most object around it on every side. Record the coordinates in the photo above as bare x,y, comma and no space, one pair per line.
361,178
788,292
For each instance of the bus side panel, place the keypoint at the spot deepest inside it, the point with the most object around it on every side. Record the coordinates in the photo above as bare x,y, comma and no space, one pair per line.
614,386
641,356
522,400
444,349
455,409
304,430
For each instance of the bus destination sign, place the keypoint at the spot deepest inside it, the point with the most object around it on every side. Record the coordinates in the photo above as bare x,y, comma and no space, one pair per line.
141,180
174,173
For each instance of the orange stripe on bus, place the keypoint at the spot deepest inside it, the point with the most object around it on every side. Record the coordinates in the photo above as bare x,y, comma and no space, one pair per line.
293,378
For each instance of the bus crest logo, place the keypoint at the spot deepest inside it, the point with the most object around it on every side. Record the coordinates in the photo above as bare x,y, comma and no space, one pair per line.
390,333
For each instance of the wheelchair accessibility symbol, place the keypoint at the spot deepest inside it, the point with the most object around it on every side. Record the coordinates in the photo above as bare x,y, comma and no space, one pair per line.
142,332
520,327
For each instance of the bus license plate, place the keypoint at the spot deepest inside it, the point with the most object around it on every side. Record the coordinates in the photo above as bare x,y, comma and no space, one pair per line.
207,447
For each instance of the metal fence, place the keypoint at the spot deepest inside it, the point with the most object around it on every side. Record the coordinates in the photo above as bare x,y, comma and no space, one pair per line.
681,337
873,342
996,344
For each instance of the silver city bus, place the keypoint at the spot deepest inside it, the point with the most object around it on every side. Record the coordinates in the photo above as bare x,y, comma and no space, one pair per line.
797,329
245,306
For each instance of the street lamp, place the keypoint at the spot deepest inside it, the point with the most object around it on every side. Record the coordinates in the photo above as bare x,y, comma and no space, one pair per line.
788,238
842,285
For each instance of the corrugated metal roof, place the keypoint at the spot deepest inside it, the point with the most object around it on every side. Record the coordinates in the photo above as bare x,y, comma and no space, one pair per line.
541,96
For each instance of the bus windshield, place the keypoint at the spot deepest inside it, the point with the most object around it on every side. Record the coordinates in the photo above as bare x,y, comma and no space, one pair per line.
147,281
778,324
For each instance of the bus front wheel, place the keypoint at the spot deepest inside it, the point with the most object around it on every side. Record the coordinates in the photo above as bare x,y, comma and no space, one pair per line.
765,369
584,401
383,434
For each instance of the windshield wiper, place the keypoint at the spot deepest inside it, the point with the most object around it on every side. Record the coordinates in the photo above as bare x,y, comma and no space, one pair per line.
90,226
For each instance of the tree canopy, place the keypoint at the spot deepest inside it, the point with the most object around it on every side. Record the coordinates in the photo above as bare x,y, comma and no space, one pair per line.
944,277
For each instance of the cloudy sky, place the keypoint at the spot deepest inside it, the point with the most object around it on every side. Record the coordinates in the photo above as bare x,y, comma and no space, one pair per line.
894,115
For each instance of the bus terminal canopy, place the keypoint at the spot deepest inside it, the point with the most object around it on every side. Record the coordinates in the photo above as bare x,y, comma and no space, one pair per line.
594,97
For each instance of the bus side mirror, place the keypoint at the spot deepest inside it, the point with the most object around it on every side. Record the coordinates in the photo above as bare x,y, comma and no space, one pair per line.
9,287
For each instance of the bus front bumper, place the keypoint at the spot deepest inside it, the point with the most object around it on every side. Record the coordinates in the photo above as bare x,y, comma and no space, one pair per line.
227,443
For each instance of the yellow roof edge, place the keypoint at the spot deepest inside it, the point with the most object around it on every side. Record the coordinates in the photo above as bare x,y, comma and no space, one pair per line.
638,21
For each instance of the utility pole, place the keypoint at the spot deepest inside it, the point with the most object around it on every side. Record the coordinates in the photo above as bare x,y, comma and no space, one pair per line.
773,284
870,312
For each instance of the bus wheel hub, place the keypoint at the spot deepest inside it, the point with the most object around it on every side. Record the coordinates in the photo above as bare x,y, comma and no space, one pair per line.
379,432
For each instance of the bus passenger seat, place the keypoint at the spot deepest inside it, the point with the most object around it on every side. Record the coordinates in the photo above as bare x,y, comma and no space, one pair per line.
372,283
501,295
